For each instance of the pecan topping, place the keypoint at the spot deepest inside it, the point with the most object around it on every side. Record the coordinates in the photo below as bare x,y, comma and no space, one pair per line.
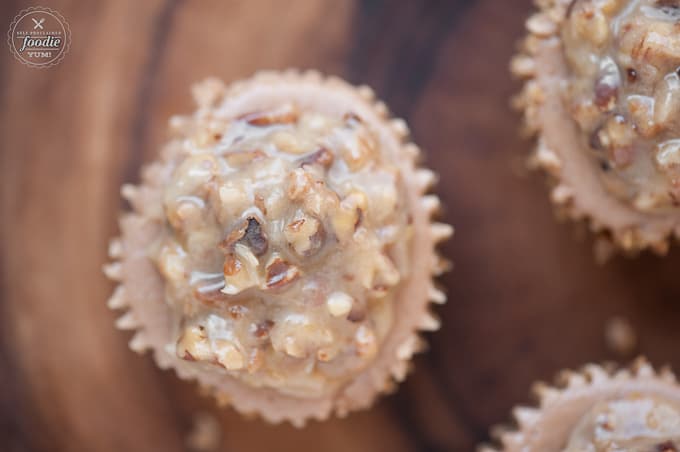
670,8
249,233
322,157
339,304
193,345
286,114
280,273
266,299
240,158
296,225
622,58
188,356
305,235
231,265
605,95
570,8
261,330
357,314
595,141
209,297
351,118
667,446
259,203
255,238
237,311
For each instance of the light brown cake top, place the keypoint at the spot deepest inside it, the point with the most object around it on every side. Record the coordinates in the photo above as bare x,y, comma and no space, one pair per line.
636,423
624,93
286,237
602,96
599,410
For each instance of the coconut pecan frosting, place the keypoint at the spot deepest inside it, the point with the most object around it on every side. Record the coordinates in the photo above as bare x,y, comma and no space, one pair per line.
603,96
599,410
281,250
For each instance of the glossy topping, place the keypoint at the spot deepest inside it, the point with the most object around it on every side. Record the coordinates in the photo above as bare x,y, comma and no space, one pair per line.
287,235
636,423
624,94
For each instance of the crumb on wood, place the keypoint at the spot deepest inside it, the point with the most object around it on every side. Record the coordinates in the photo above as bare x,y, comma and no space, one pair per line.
204,435
620,336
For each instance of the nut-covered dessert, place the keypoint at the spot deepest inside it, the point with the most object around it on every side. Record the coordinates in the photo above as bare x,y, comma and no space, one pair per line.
603,94
281,251
632,410
635,423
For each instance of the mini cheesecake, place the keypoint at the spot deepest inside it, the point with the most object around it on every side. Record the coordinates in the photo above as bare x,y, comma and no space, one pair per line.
602,95
281,250
598,410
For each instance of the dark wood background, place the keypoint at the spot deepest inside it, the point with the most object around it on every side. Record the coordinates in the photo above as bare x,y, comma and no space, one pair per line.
526,297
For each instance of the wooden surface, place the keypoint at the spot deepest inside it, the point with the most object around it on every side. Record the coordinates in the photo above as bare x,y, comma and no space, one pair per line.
526,298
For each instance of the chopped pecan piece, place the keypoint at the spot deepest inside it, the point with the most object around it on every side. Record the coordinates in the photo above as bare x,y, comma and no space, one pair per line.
240,158
605,95
300,182
193,345
255,238
339,304
305,235
210,297
188,356
228,356
365,341
240,270
357,314
250,233
237,311
667,446
261,330
321,156
259,203
280,273
607,85
674,4
286,114
352,118
231,265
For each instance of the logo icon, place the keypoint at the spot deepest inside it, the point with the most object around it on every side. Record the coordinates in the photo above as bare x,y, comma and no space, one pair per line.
38,23
39,37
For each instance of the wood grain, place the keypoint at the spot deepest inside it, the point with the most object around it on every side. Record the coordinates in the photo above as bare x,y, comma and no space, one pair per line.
526,298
